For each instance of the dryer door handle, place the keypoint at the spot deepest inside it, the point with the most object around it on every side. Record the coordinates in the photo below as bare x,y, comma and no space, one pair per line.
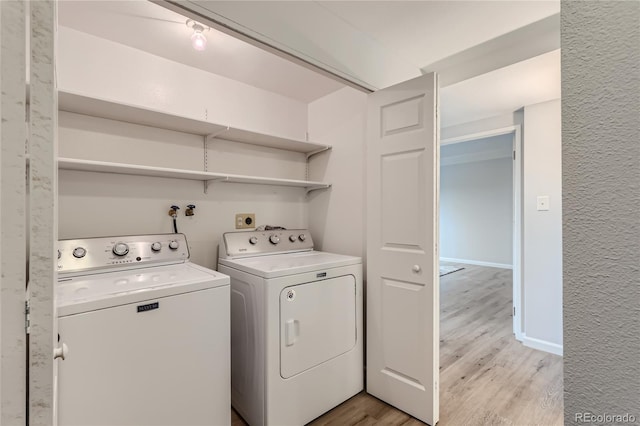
291,331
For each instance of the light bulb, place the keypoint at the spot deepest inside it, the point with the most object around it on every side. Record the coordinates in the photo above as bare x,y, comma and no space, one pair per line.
198,40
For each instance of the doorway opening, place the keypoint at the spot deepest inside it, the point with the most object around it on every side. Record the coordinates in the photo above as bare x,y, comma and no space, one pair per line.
500,243
487,376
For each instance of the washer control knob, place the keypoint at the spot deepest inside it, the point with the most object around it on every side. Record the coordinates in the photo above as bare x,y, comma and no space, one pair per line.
292,238
157,246
173,245
302,237
274,239
79,252
120,249
253,240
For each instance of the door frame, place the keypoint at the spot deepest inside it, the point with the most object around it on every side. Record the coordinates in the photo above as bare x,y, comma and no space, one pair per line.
517,248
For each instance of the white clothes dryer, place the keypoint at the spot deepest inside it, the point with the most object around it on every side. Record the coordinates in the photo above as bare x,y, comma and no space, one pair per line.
296,326
147,333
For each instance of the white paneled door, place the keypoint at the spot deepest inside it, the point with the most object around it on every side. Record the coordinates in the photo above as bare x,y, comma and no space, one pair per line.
402,256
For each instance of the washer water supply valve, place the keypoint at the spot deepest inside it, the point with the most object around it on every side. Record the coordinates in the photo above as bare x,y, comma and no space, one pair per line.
173,212
189,211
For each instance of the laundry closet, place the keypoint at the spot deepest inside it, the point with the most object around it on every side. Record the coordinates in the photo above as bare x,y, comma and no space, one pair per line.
150,145
126,116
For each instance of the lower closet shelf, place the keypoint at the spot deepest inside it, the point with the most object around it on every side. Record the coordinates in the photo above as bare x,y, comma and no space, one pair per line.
138,170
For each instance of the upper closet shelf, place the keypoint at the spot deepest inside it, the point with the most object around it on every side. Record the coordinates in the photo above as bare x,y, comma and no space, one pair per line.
138,170
80,104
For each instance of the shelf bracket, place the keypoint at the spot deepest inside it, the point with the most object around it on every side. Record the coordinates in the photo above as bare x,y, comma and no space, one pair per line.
208,138
214,135
316,188
207,182
318,151
311,154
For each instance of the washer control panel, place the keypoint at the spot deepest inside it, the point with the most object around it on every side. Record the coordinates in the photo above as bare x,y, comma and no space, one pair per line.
255,243
119,252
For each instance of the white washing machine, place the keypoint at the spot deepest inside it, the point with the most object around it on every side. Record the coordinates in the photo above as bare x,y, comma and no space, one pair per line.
147,333
296,326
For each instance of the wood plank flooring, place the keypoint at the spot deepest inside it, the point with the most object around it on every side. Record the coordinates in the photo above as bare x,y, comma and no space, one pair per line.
486,376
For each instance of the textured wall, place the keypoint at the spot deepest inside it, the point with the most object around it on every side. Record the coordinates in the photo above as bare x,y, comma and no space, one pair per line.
601,196
43,223
12,214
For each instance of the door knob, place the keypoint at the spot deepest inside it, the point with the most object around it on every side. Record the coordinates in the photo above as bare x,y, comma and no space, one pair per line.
61,352
416,268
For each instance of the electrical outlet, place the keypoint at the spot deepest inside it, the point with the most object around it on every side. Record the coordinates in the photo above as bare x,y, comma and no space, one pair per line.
245,220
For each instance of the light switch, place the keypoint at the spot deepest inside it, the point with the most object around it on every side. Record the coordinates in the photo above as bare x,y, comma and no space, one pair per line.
543,202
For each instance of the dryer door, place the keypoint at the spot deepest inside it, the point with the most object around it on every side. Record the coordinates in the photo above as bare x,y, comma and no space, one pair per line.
317,323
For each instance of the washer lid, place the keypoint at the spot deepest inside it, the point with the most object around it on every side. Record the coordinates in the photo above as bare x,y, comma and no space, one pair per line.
279,265
98,291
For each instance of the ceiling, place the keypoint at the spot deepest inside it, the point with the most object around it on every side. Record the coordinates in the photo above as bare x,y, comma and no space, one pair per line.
381,41
502,91
146,26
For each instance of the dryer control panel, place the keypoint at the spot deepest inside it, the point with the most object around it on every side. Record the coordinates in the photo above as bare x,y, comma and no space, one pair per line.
124,252
256,243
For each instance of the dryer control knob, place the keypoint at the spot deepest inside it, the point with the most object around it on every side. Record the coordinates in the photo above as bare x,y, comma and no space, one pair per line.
292,238
253,240
157,246
302,237
79,252
120,249
173,245
274,239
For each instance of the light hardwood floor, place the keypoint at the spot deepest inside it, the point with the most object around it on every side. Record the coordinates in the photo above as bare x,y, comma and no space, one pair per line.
486,376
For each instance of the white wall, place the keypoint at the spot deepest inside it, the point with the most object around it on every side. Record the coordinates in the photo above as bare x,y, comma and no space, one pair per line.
98,204
93,66
336,217
542,267
101,204
476,202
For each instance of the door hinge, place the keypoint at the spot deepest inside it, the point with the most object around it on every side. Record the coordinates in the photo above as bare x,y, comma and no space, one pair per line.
514,311
27,311
514,155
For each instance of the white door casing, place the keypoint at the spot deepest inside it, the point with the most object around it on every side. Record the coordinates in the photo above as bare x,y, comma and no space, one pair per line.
402,257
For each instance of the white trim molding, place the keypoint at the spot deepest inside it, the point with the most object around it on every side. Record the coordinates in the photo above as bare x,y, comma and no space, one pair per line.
542,345
474,157
477,262
480,135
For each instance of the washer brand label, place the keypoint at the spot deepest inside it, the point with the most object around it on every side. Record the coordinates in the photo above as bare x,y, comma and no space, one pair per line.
149,307
321,275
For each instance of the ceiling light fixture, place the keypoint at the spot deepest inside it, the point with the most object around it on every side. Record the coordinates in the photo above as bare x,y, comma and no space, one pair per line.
198,40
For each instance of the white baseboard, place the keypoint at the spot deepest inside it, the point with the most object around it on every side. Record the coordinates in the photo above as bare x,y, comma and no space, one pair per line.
542,345
477,262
